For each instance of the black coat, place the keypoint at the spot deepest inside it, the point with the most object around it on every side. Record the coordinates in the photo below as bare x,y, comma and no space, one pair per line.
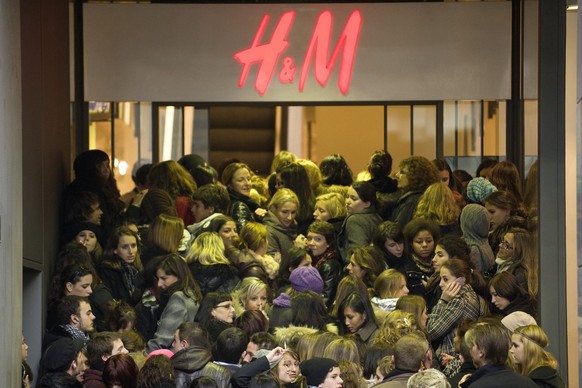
217,277
117,284
497,376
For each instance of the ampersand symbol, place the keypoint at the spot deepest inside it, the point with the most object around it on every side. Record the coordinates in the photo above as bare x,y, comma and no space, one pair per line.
287,71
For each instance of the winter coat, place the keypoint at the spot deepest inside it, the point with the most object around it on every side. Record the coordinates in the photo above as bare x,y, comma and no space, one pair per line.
116,283
242,209
330,269
195,362
497,376
216,277
547,377
93,379
405,208
179,309
475,227
358,230
279,238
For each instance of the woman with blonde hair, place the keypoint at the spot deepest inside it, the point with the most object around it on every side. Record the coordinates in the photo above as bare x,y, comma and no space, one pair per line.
237,179
331,207
437,204
254,244
281,224
415,305
251,294
364,265
342,349
209,265
389,286
528,348
174,179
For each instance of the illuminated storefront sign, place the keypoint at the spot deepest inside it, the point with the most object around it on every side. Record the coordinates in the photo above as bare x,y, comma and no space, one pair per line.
288,53
267,55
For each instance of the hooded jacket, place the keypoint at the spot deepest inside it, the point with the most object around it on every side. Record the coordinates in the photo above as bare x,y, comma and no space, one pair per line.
475,227
194,362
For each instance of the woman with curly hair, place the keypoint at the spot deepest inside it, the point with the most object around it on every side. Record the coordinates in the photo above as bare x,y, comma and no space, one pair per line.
420,236
528,348
437,204
415,175
363,264
176,181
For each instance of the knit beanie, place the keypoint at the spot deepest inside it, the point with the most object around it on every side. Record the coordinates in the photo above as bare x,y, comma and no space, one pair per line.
306,279
517,319
71,231
61,353
478,189
315,370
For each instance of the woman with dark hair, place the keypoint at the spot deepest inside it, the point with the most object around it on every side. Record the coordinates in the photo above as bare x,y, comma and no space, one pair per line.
321,241
121,269
237,179
506,177
252,321
294,177
380,167
504,214
356,315
458,301
507,296
360,225
308,309
180,298
120,371
420,236
93,174
176,181
447,178
484,168
335,171
156,372
120,316
216,312
415,175
390,240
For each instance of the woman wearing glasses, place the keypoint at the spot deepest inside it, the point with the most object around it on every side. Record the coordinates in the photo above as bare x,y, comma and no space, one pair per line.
216,313
517,256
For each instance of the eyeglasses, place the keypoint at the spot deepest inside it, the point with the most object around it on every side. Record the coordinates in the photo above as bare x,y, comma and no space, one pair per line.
505,244
226,306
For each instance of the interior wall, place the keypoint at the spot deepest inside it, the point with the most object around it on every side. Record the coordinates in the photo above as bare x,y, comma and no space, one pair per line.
10,194
45,154
353,132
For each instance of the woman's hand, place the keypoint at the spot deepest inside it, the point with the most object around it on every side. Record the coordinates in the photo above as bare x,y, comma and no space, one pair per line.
275,354
300,242
446,358
261,213
451,291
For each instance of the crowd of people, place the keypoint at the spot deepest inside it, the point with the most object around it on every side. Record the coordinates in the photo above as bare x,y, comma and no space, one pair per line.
214,276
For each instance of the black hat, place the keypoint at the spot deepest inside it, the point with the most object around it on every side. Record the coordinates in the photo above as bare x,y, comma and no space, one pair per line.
70,231
316,369
61,353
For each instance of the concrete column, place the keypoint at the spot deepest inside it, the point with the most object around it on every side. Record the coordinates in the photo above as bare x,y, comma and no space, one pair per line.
10,194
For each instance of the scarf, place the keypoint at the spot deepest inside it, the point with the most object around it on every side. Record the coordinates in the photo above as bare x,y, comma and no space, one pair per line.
75,333
329,253
422,265
130,273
